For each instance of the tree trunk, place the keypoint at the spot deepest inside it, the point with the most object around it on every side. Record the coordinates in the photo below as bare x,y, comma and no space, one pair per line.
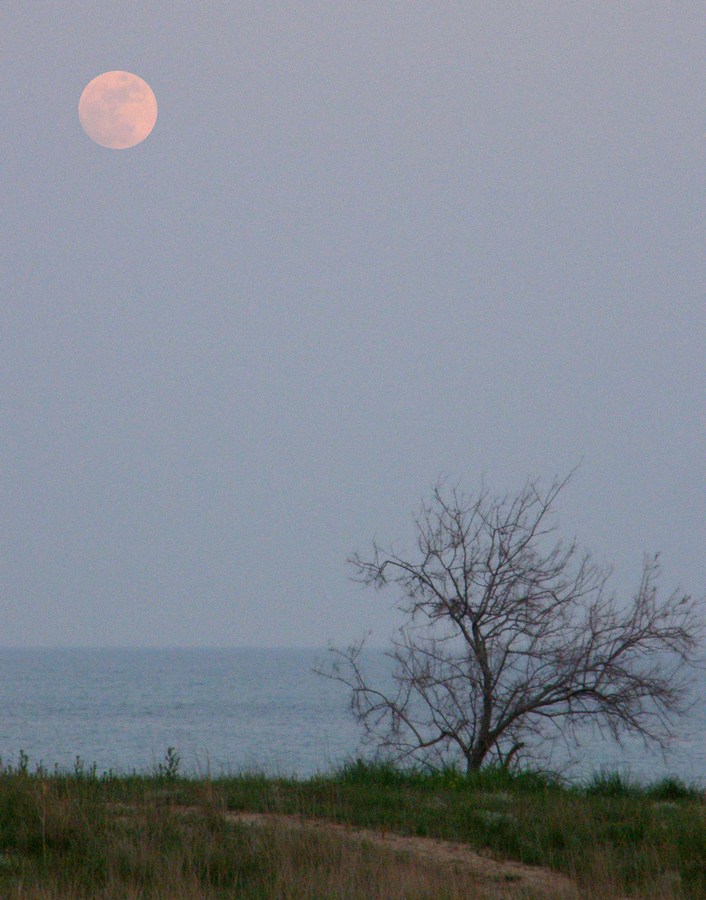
475,758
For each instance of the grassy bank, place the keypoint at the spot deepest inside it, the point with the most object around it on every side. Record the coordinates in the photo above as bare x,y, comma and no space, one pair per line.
82,834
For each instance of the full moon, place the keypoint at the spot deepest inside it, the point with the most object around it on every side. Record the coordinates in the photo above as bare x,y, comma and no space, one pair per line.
117,110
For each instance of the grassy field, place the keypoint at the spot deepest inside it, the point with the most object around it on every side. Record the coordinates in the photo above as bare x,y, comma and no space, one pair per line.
81,834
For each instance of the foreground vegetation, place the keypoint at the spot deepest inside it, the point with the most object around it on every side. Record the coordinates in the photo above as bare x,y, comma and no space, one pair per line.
81,834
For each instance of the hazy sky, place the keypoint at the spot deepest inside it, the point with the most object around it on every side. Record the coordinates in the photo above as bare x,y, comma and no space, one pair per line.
367,244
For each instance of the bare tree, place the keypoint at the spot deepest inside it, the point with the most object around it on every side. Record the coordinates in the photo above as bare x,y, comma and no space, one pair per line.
511,639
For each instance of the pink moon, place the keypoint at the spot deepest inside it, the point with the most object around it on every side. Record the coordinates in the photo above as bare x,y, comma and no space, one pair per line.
117,110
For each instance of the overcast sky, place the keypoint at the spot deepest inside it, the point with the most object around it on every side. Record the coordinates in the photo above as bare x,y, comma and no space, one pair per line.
366,244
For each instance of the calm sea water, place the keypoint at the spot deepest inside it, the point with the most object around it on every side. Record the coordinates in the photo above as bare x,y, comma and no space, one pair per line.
227,710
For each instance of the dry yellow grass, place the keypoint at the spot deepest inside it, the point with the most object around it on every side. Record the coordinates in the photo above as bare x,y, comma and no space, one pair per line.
63,837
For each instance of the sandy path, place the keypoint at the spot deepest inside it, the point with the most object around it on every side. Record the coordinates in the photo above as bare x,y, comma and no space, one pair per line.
504,878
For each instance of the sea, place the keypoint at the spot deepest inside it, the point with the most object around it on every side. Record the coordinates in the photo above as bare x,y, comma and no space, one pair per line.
226,711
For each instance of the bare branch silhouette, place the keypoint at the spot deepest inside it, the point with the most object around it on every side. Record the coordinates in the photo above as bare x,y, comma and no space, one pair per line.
511,638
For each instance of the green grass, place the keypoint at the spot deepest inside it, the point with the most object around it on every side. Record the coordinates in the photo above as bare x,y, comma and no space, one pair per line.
81,834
